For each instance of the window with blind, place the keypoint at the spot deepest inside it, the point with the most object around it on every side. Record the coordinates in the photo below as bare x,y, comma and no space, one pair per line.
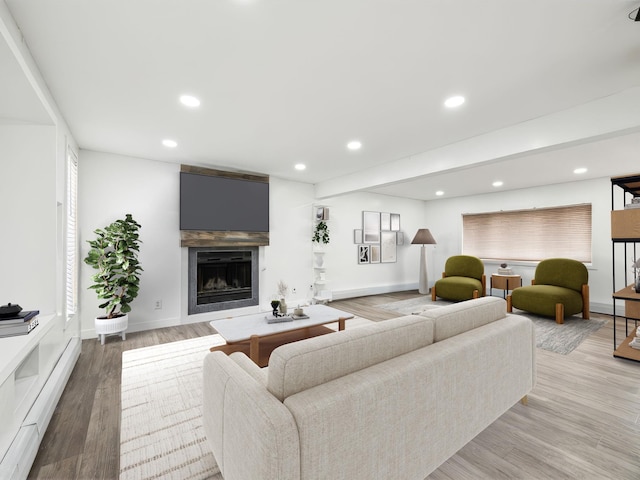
71,238
529,235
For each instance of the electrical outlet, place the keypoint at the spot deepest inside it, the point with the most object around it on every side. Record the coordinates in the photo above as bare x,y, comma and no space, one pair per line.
158,304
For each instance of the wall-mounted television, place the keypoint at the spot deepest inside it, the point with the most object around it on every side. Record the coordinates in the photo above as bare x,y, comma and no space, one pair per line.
225,202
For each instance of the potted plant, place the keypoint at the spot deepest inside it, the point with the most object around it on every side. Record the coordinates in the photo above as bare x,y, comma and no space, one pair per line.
114,254
321,233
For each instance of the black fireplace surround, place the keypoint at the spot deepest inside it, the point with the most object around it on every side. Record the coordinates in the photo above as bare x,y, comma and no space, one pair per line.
222,278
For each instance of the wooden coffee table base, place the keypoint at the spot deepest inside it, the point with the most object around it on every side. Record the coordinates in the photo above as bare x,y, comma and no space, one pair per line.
259,349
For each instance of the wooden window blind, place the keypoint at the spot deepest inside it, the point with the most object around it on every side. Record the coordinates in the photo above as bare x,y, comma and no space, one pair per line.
529,235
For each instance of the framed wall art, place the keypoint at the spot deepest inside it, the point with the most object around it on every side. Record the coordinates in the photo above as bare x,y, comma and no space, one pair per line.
395,222
363,253
371,227
388,250
374,254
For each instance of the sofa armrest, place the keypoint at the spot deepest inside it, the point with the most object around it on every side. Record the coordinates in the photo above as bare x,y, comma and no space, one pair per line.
249,366
251,433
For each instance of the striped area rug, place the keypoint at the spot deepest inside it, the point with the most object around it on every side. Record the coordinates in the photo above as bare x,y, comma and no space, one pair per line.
161,432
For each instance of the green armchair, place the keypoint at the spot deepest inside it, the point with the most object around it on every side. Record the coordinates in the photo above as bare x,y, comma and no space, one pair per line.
463,279
559,288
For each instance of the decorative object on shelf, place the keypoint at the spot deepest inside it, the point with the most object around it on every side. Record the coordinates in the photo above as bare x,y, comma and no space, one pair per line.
10,310
504,269
319,259
636,275
275,304
298,311
322,213
423,237
321,233
283,289
114,254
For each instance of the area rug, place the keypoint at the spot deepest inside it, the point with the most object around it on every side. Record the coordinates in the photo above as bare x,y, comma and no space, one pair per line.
161,432
550,336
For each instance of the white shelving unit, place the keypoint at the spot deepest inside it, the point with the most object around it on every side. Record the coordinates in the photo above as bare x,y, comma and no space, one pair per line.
321,292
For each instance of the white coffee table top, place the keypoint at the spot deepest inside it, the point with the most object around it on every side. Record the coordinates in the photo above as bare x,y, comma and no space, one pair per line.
238,329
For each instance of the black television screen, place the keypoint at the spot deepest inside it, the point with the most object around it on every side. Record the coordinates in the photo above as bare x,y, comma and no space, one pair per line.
213,203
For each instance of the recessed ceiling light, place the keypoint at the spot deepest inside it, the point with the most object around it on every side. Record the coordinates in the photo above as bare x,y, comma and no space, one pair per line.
169,143
354,145
189,101
300,166
498,183
439,193
453,102
580,170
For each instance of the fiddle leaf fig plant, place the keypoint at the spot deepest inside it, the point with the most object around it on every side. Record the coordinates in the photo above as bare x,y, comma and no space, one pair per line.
321,233
114,254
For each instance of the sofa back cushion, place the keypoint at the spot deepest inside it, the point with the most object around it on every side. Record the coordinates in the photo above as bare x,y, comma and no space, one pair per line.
298,366
562,272
457,318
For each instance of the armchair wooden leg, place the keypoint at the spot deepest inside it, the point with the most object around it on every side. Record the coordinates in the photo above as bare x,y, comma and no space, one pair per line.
585,302
559,313
524,400
509,305
433,293
476,294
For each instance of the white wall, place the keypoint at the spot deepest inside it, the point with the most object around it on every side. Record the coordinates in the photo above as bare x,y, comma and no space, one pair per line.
113,185
345,276
28,239
444,218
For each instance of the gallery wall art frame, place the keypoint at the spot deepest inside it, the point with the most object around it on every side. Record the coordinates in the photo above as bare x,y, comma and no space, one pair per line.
379,237
363,253
395,222
374,254
388,247
371,227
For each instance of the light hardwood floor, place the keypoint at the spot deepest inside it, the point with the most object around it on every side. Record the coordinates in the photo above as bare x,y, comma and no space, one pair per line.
582,420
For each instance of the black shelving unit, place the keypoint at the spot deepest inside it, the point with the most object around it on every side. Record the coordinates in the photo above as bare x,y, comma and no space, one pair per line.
625,237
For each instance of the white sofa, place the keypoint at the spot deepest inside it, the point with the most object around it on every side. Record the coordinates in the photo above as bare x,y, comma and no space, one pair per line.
394,399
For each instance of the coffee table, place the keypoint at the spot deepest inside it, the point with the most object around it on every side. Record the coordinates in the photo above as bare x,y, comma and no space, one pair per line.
255,337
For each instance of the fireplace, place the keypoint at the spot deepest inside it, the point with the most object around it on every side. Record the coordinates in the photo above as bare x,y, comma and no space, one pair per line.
222,278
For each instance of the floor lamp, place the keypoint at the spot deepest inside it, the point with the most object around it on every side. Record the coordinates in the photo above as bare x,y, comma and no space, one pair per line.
423,237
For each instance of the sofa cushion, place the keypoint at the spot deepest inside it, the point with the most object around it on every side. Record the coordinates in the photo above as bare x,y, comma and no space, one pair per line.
457,318
458,288
542,299
301,365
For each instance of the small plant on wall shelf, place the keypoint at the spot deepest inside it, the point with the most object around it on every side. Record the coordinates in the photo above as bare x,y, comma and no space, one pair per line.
321,233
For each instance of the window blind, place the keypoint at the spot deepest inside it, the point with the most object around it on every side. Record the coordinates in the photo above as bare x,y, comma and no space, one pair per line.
529,235
71,238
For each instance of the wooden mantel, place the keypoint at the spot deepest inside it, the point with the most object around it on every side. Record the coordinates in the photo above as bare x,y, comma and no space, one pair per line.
199,238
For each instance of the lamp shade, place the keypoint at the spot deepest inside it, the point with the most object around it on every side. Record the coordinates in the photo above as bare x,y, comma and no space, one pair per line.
423,237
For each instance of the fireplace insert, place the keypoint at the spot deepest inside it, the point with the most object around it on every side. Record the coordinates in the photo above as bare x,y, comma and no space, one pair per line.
222,278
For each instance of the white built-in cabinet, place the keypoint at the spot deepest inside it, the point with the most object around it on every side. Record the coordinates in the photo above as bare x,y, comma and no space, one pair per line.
34,370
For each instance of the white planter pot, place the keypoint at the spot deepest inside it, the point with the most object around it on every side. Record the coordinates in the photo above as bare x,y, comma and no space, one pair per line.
110,326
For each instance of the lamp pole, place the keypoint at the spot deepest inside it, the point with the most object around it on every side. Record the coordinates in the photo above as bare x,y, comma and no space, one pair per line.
424,278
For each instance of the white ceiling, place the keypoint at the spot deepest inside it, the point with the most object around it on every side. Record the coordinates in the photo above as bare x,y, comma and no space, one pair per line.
289,81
